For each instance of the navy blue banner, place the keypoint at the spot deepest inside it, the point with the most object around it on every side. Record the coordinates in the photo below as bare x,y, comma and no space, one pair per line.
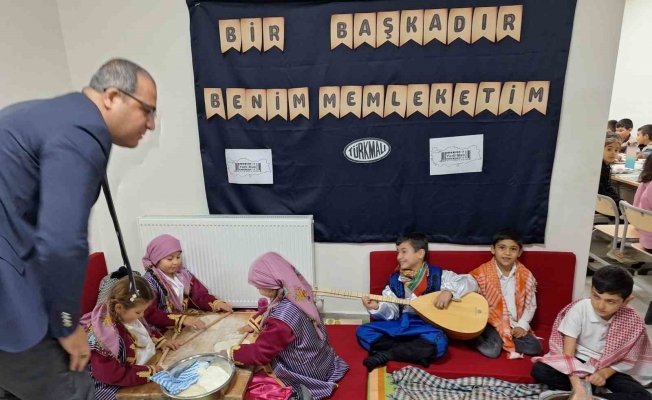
369,179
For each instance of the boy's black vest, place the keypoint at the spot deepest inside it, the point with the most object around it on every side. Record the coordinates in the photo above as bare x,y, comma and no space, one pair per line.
434,283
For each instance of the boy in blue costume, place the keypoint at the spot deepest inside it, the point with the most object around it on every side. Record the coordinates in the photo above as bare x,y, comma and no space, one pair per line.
399,334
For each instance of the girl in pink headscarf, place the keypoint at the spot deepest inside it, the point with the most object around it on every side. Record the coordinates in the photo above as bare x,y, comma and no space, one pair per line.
122,343
177,290
292,341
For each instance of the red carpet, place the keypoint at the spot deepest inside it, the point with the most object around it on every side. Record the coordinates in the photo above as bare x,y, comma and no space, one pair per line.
354,384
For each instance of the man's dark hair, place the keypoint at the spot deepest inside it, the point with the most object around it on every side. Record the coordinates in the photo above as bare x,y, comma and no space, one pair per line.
509,234
625,123
613,279
417,240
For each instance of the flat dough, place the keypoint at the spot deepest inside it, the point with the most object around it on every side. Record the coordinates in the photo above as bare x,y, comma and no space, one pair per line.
194,390
227,344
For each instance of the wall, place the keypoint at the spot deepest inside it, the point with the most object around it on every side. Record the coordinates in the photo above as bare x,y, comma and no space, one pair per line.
33,63
632,92
164,176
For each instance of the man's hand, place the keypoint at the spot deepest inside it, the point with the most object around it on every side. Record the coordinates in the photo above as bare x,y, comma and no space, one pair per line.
77,346
194,322
369,304
443,299
518,332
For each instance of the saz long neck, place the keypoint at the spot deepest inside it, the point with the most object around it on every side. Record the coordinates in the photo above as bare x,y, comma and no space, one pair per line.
347,294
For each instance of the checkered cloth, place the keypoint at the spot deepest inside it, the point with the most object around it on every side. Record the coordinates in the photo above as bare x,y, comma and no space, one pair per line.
177,384
415,384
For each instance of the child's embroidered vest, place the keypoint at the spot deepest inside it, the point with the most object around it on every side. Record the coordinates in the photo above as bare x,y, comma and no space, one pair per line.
398,287
308,360
104,390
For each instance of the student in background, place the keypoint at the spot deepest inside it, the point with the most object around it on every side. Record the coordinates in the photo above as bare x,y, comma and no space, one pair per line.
601,340
611,147
611,126
643,199
624,129
644,140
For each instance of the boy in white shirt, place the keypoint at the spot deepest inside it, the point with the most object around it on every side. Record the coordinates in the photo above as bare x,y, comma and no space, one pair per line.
601,340
510,290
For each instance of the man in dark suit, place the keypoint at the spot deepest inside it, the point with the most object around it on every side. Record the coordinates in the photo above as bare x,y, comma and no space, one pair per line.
53,156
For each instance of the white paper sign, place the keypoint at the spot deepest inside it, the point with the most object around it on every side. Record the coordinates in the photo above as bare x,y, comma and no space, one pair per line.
246,166
456,155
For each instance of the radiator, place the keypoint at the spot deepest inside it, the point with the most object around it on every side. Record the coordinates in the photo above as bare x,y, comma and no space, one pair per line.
219,249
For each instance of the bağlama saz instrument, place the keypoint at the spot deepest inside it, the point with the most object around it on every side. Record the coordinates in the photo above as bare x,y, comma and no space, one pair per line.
462,320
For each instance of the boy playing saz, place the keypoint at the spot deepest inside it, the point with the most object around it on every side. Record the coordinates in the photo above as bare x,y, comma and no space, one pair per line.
401,335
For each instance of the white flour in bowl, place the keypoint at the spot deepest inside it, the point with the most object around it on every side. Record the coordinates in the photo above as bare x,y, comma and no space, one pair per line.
210,379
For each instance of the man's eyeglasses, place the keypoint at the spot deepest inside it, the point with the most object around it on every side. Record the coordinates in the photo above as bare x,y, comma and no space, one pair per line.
150,110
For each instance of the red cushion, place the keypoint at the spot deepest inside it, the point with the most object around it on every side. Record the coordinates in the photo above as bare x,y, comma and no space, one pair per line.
462,360
554,272
354,384
95,271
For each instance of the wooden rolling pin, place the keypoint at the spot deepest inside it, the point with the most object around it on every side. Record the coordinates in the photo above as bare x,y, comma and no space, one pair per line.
166,351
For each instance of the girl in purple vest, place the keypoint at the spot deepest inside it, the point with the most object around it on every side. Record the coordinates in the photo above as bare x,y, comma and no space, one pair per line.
292,343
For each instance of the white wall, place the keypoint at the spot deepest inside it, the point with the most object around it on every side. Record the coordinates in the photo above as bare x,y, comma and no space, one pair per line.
33,60
632,93
164,175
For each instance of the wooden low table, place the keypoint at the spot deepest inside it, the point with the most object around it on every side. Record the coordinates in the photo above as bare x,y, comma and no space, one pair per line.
626,185
225,330
628,179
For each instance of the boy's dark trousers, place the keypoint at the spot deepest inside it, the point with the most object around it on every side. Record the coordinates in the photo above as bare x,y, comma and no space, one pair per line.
411,350
623,386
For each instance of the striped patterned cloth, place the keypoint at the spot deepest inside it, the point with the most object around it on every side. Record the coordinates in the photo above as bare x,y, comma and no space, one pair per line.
415,384
177,384
291,366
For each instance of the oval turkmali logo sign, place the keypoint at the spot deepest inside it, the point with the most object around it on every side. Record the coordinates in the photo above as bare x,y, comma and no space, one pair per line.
367,150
